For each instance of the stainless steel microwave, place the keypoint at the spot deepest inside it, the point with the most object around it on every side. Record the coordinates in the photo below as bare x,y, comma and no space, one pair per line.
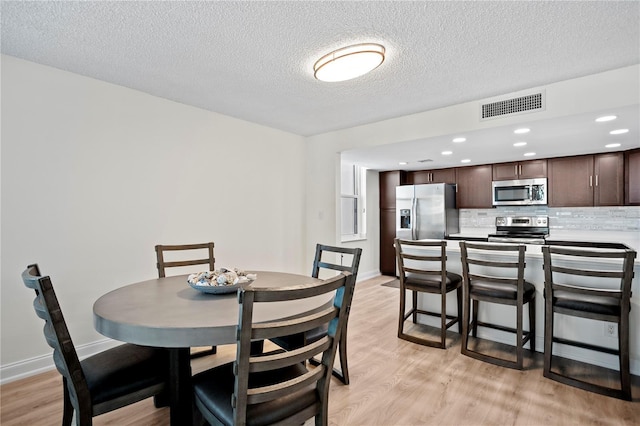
523,192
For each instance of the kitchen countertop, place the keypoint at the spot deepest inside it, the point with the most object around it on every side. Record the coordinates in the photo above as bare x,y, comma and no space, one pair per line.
597,239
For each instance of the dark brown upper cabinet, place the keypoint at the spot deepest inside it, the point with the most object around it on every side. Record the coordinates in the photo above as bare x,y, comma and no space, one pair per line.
520,170
474,187
432,176
586,180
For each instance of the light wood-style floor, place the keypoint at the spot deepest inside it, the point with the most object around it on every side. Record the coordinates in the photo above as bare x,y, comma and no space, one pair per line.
393,382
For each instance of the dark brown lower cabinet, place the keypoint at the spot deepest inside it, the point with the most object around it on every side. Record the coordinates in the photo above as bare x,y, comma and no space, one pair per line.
387,235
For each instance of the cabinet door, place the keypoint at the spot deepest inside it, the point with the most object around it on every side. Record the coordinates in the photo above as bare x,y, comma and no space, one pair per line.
474,187
443,176
632,178
505,171
432,176
387,235
571,181
533,169
521,170
419,177
608,185
387,184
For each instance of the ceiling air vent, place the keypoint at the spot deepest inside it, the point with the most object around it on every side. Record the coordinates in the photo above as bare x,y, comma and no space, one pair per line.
521,104
428,160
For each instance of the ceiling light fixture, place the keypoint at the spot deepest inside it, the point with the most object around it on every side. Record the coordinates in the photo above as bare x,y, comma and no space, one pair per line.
466,160
447,152
612,145
457,140
403,163
519,144
521,131
605,118
529,154
618,132
349,62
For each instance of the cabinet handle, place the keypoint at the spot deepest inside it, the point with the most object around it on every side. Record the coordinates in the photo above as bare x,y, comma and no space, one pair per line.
590,181
520,169
516,169
596,180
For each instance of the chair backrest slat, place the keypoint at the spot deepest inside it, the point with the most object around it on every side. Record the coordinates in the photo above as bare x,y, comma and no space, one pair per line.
163,264
506,269
612,277
321,262
425,258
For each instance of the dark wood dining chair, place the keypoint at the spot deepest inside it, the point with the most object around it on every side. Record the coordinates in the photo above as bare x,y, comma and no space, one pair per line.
277,387
103,382
187,255
591,284
422,268
326,258
494,273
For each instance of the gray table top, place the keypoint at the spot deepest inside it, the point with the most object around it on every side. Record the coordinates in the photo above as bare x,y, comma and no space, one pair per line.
166,312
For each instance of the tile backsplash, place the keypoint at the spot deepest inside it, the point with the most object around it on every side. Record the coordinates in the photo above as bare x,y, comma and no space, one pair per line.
620,219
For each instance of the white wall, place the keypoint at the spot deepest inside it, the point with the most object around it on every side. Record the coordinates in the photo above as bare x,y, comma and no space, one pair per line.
94,175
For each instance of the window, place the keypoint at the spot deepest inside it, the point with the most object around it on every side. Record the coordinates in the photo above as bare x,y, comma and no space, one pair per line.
352,202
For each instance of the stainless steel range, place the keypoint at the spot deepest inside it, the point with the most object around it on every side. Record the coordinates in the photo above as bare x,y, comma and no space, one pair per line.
521,229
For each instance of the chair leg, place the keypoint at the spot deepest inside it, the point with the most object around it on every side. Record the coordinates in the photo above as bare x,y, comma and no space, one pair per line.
459,303
532,325
623,345
465,322
548,337
443,320
402,311
519,336
475,318
342,346
67,410
414,298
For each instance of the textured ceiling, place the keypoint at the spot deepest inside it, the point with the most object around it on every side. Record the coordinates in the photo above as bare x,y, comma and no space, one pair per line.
253,60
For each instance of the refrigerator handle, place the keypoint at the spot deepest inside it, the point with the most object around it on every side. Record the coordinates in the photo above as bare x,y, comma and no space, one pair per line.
414,213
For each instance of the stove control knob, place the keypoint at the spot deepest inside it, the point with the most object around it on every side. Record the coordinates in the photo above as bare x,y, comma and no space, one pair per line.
501,221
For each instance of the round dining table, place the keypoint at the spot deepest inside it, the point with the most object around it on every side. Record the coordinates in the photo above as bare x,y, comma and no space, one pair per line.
168,313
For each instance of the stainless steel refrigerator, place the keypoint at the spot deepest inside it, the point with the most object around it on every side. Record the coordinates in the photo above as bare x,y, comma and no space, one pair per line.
426,211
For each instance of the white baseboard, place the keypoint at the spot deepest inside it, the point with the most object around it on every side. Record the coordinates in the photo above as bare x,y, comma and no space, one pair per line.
40,364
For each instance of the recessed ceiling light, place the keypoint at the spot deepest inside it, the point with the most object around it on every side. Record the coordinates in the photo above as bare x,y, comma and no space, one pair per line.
447,152
466,160
519,144
456,140
349,62
612,145
521,131
618,131
605,118
403,163
529,154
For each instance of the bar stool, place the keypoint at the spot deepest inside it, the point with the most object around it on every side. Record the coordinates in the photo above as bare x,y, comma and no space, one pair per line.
495,273
426,272
575,285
